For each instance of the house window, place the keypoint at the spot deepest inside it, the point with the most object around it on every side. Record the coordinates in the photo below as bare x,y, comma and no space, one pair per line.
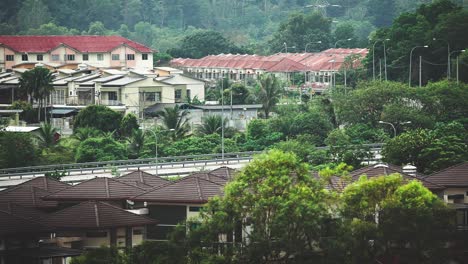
189,95
10,57
69,57
58,97
130,56
24,57
178,94
112,96
100,57
153,97
85,57
144,56
194,209
115,57
55,57
40,57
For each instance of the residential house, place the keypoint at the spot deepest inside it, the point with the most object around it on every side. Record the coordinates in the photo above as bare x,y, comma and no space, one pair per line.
455,180
319,69
54,51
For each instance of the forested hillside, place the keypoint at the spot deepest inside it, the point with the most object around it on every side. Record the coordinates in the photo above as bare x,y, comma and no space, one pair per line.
161,24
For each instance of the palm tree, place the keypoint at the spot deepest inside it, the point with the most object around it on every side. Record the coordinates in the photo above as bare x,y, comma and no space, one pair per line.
136,142
176,120
211,124
268,92
84,133
47,135
37,84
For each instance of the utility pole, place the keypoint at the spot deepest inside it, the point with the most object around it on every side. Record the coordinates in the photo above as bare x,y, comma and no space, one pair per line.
420,71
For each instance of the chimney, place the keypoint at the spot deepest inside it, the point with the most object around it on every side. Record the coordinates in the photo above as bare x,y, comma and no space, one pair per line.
410,170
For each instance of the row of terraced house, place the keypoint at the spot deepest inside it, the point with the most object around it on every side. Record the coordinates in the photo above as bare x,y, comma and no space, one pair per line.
48,221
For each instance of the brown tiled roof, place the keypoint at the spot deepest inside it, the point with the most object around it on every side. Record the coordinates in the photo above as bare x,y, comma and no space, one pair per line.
11,224
387,169
97,189
225,172
94,214
27,196
335,183
191,190
44,183
142,177
30,213
454,176
210,177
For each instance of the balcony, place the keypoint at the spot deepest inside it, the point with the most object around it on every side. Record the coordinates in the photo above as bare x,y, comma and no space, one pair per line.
111,102
78,101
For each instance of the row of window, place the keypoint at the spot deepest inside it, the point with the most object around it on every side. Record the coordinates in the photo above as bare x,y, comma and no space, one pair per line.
71,57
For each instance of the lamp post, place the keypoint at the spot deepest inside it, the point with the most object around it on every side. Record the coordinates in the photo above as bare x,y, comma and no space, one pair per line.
222,117
450,55
410,62
317,42
156,147
342,40
394,129
373,58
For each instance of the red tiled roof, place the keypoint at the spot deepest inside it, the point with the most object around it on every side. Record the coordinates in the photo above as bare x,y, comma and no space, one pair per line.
94,214
27,196
210,177
383,170
97,189
43,44
454,176
331,59
140,177
191,190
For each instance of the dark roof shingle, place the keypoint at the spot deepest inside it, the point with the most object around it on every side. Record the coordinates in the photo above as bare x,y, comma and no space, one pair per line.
27,196
136,177
454,176
94,214
191,190
97,189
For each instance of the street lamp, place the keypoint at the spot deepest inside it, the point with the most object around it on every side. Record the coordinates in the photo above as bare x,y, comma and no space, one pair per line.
450,55
317,42
394,129
373,58
410,62
342,40
156,147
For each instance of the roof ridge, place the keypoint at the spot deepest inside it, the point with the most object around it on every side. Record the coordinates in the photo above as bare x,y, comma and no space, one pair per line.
200,193
96,213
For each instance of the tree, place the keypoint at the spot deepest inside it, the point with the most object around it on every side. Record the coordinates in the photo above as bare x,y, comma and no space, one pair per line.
211,124
429,150
301,29
37,84
128,124
47,135
97,28
100,149
176,120
239,94
341,149
383,214
51,29
16,150
202,43
100,256
84,133
136,143
99,117
268,92
283,205
36,7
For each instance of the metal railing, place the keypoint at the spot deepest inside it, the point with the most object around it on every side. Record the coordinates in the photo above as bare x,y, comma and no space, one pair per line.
163,162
